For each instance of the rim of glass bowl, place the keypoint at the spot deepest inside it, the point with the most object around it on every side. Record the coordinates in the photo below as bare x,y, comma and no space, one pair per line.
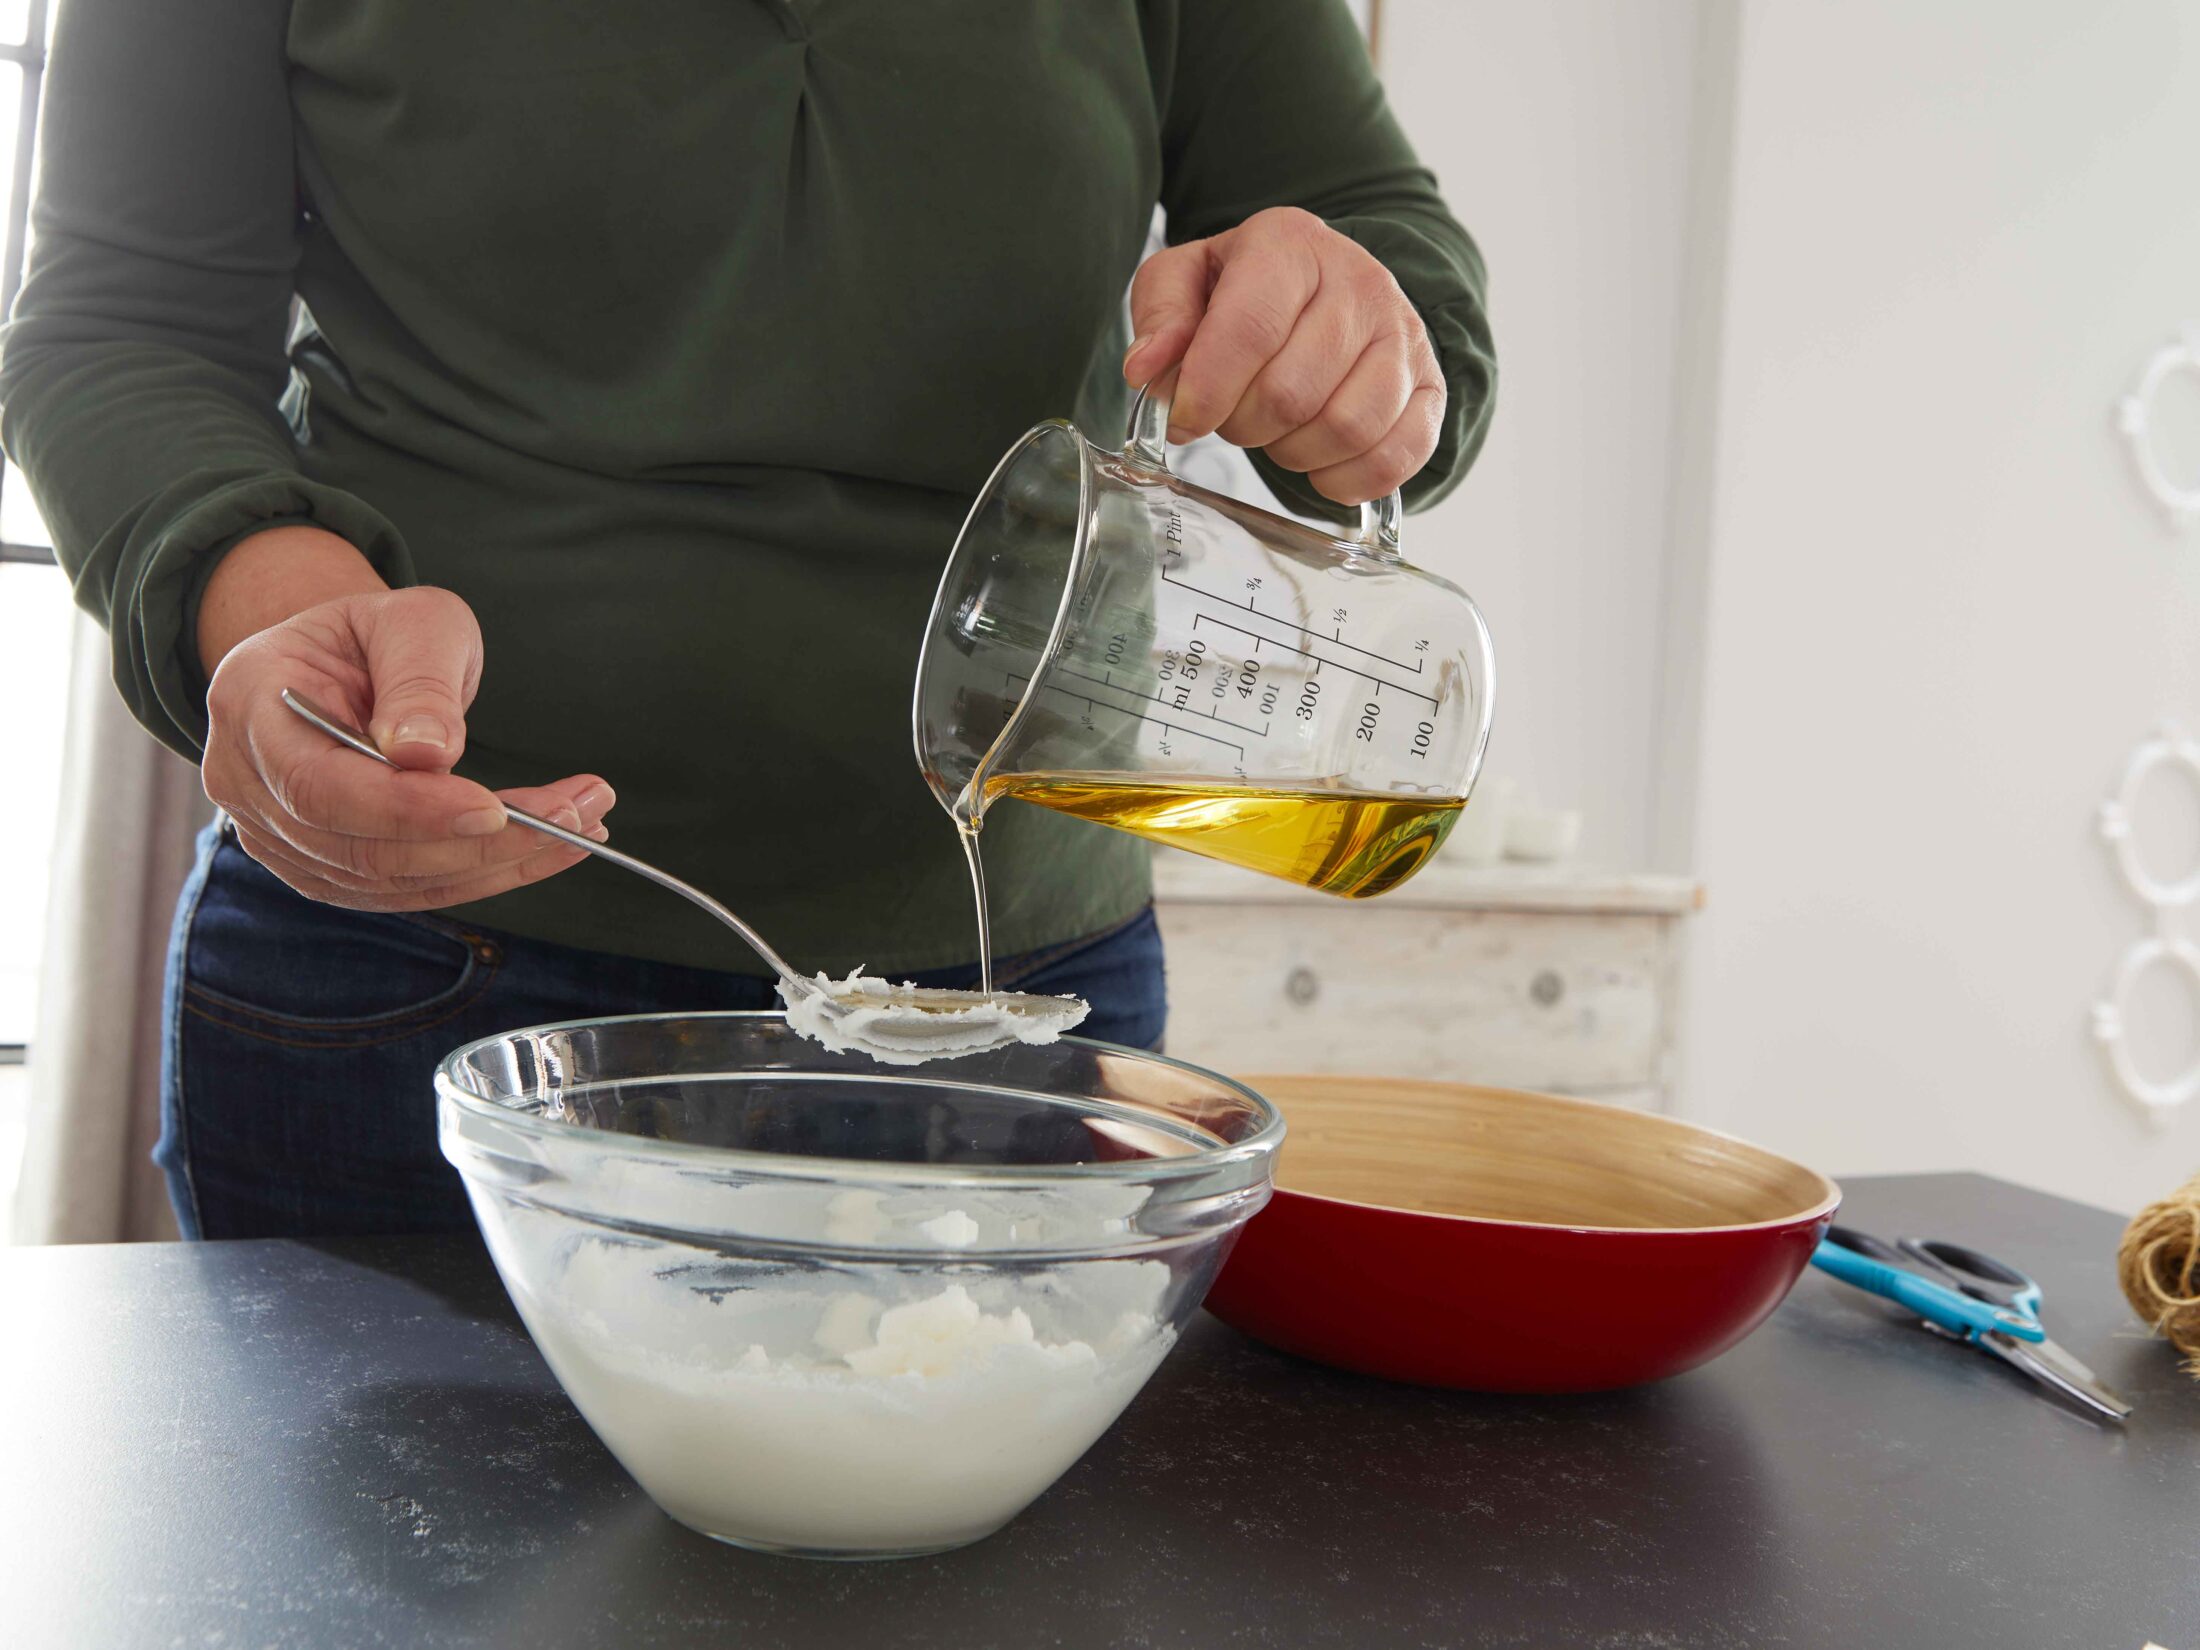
798,1166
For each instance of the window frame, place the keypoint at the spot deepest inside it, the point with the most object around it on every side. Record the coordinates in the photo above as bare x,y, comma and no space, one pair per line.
29,55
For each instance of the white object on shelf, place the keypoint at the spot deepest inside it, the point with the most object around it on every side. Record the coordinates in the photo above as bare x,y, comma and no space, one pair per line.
1546,977
1478,838
2180,499
2169,746
1544,834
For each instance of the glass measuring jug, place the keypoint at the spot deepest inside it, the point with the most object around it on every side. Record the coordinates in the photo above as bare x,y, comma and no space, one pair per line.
1114,642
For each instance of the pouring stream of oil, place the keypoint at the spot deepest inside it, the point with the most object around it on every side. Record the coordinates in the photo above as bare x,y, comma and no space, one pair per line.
1355,844
967,820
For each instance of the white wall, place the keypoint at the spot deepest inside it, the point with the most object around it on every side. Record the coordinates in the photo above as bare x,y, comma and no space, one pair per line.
1560,133
1914,611
1940,611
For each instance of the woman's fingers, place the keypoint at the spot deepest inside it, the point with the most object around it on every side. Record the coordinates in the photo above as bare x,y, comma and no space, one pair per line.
1290,336
423,655
1306,375
578,803
341,827
319,881
1267,276
411,660
254,738
588,794
1168,297
1392,461
300,874
516,875
1358,413
330,788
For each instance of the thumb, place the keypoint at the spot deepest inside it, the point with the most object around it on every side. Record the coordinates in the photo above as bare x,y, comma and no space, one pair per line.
1168,297
423,656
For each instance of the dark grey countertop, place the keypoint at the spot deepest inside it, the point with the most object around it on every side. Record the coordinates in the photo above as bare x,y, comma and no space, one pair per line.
276,1444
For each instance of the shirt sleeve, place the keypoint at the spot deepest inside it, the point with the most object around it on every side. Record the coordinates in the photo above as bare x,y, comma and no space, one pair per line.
143,373
1274,103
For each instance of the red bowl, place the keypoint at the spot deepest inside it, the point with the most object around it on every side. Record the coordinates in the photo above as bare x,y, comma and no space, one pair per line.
1509,1242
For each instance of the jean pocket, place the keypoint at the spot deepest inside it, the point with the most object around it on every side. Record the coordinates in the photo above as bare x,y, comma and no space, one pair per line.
266,961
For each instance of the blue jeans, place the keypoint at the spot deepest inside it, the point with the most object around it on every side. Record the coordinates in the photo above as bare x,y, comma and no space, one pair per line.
301,1041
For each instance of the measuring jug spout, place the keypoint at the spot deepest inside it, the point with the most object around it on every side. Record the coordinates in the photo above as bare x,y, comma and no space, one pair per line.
1113,642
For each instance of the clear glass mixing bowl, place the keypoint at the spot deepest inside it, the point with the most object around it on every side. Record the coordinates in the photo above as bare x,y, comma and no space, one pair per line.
820,1306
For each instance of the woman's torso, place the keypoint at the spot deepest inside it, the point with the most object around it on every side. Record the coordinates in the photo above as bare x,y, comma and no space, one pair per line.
676,337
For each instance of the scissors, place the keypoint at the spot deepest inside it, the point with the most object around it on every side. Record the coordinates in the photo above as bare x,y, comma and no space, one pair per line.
1966,1296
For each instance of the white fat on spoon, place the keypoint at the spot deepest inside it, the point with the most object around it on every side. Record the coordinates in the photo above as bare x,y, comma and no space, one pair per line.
906,1025
900,1025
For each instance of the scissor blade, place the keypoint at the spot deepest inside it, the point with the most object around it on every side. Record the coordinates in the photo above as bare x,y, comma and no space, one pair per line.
2051,1366
2060,1358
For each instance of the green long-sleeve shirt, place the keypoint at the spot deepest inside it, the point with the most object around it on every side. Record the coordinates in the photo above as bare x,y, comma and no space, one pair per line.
676,337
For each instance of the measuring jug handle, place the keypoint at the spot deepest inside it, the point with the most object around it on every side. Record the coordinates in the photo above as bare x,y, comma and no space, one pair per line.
1147,443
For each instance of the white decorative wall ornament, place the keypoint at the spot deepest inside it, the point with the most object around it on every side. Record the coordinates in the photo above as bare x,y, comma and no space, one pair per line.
2169,746
2135,417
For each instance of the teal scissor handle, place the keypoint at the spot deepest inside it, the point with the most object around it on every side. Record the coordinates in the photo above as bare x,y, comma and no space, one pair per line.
1978,1275
1842,1252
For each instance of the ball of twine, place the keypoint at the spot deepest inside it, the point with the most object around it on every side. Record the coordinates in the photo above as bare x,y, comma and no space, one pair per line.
2158,1264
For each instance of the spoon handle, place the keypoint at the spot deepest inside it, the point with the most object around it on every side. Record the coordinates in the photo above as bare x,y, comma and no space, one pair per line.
664,879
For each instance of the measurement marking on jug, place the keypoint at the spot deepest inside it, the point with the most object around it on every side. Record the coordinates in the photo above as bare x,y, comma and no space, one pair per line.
1419,647
1154,699
1319,661
1138,716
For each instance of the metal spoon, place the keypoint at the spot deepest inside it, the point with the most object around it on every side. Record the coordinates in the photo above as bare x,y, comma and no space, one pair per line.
903,1025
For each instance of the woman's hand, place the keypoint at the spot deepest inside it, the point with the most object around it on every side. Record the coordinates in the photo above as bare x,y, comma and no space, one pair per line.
403,664
1294,338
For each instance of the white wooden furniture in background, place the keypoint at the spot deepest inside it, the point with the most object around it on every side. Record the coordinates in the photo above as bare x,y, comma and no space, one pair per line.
1539,977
